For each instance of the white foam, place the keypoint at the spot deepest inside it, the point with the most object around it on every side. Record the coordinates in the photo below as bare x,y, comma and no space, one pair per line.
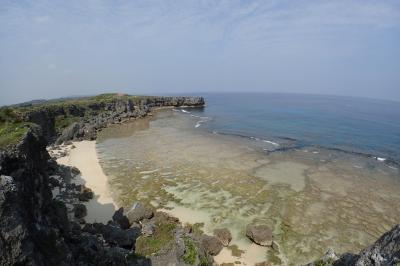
203,120
381,159
184,111
149,172
271,142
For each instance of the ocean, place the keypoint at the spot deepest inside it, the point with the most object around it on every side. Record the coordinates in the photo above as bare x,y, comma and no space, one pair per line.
362,125
320,171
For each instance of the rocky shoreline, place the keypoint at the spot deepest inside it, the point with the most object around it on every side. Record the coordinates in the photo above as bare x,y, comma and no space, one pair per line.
42,211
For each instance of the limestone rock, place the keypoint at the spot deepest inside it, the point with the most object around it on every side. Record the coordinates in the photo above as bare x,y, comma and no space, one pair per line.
259,234
224,235
138,212
211,244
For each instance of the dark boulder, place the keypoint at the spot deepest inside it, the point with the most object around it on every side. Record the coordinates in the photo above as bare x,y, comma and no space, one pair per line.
114,235
86,194
80,210
121,219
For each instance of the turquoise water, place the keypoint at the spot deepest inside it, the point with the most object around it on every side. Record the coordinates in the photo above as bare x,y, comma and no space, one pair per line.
352,124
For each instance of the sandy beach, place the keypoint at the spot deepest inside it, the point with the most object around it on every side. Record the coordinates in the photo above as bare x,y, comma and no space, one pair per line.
84,157
102,206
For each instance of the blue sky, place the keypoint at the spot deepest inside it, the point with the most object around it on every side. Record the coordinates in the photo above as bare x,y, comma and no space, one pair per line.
57,48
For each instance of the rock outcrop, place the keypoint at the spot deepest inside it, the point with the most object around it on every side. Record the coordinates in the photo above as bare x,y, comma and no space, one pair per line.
94,116
259,234
34,227
224,236
384,252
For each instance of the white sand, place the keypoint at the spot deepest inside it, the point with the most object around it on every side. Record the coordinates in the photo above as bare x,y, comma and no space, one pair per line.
84,157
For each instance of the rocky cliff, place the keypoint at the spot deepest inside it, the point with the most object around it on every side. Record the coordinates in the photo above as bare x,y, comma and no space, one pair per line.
36,227
86,117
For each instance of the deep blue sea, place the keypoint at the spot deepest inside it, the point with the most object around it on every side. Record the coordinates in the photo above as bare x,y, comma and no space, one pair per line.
352,124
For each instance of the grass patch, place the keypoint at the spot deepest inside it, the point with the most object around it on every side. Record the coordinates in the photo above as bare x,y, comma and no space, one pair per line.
190,251
9,115
163,235
11,133
204,262
329,262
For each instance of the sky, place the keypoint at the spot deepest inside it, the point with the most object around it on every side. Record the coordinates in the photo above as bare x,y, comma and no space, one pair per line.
54,48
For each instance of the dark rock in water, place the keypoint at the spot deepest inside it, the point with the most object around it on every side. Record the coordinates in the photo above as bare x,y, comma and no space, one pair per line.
224,235
80,211
121,219
86,194
138,212
211,244
259,234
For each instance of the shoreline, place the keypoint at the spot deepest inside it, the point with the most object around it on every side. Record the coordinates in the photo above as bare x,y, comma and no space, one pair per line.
84,157
102,207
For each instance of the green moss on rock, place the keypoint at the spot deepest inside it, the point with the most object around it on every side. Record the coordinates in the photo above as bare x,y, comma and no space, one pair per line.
190,251
163,235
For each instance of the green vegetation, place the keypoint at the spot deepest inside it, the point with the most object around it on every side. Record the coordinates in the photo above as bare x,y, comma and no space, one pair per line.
12,128
328,262
83,102
9,115
11,133
204,262
190,251
12,118
163,235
